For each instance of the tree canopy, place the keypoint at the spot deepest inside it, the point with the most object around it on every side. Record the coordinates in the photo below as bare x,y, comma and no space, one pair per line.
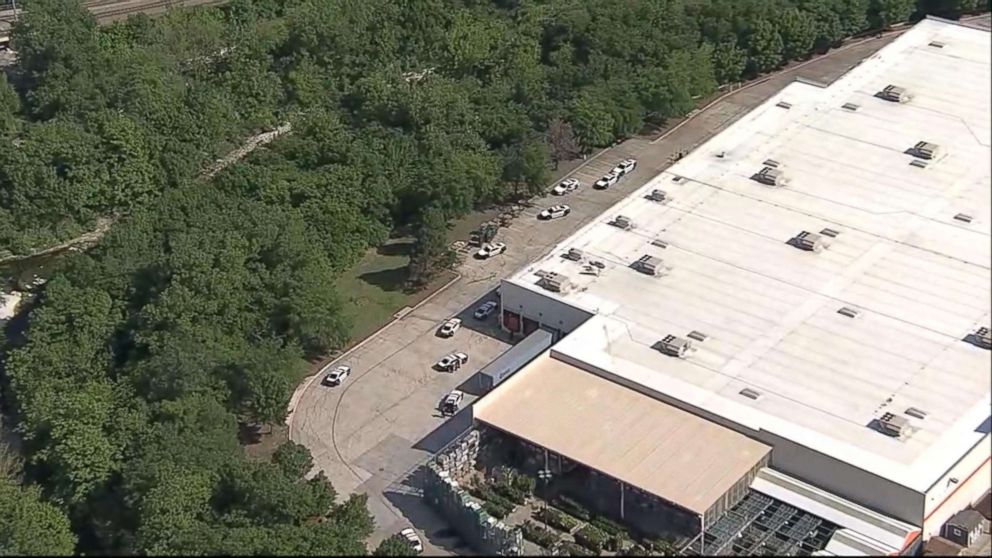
198,311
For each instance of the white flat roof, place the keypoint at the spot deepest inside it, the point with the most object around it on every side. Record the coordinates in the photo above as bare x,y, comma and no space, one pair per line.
920,277
639,440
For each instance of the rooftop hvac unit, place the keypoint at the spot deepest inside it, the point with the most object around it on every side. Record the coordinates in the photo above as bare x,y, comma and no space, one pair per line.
770,176
894,93
658,196
574,254
926,150
648,264
963,217
893,425
811,242
589,269
982,338
622,222
674,346
771,163
555,282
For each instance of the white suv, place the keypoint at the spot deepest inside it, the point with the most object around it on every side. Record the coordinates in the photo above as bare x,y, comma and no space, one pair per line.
608,180
336,376
491,249
626,166
452,362
565,186
451,402
450,327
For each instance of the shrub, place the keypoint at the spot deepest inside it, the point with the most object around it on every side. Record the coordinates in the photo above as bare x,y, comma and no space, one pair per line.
557,519
524,484
573,507
496,510
511,493
615,542
572,549
610,527
637,550
659,546
539,535
487,494
591,538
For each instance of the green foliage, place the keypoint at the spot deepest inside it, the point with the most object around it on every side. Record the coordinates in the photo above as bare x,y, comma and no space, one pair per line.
591,538
394,546
430,249
608,526
294,459
568,548
573,507
29,526
557,519
496,510
539,535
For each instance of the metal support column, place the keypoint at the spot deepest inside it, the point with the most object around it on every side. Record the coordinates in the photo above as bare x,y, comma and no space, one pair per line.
621,501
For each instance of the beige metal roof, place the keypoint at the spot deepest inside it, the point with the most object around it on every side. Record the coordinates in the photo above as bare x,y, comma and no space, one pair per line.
641,441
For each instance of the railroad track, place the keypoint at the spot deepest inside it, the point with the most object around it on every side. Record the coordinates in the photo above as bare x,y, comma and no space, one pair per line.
108,11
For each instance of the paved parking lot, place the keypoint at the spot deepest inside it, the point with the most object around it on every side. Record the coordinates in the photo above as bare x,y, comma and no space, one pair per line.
373,430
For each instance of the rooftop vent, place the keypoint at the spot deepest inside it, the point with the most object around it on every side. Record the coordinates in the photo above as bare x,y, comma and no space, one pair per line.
622,222
574,254
658,196
770,176
555,282
963,217
677,179
916,413
830,232
783,104
918,163
650,265
811,242
894,93
750,393
936,44
697,335
659,243
981,338
541,273
771,163
849,106
925,150
893,425
590,269
849,312
673,346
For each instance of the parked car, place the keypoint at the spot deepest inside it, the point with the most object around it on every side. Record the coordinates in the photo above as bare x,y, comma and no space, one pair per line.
449,327
624,167
452,362
566,186
609,179
484,311
451,402
554,212
489,250
336,376
413,539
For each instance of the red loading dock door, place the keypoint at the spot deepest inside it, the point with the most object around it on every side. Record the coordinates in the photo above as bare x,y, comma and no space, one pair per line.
530,326
511,321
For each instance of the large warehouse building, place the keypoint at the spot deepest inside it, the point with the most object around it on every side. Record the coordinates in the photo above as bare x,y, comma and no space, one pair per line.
799,308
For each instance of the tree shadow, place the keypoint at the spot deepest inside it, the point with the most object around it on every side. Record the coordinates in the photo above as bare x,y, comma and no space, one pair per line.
399,247
387,279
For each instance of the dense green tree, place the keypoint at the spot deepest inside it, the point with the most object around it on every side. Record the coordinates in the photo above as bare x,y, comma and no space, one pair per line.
765,47
883,13
430,248
294,459
394,546
30,526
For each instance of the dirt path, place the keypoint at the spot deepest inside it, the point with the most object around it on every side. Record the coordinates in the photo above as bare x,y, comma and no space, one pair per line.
103,224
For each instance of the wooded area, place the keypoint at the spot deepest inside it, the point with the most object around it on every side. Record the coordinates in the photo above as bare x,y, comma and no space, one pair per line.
199,309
